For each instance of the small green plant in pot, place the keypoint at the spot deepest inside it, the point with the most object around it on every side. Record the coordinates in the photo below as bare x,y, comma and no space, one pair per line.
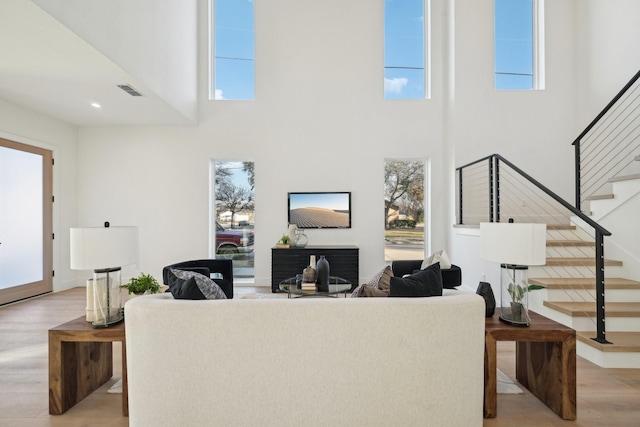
141,284
517,293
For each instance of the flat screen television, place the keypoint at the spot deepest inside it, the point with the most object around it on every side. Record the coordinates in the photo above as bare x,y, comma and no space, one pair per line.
320,209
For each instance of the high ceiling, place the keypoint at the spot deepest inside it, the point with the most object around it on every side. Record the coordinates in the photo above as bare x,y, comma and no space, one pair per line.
45,67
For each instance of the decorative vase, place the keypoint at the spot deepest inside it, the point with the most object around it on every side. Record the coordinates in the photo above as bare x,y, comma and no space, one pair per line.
322,274
309,274
300,240
485,291
292,231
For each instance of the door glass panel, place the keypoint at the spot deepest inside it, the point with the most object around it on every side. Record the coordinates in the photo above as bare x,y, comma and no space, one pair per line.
21,226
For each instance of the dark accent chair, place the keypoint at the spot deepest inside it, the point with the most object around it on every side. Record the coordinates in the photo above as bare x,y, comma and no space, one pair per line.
451,278
206,267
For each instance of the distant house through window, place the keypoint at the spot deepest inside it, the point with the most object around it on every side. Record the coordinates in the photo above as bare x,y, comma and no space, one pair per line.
518,44
233,50
404,49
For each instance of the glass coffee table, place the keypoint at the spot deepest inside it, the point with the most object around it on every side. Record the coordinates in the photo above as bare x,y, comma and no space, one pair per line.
337,286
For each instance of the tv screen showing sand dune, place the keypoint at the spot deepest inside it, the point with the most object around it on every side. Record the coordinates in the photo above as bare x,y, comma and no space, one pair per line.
320,210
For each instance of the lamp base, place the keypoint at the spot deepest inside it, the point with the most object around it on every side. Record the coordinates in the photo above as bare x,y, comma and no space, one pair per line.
108,309
508,318
112,320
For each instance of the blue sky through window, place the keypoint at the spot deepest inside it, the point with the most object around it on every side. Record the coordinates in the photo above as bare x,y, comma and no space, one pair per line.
234,49
404,53
514,44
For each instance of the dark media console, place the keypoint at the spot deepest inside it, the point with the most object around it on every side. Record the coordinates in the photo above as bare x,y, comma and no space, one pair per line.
286,263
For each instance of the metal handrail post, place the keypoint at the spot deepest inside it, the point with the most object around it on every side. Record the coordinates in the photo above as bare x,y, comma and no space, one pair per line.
497,180
460,219
490,177
578,177
600,311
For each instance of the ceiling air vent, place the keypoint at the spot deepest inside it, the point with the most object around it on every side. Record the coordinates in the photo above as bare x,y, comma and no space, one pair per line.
130,90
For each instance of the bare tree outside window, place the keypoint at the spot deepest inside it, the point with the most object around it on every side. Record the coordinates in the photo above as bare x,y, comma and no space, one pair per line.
234,215
404,212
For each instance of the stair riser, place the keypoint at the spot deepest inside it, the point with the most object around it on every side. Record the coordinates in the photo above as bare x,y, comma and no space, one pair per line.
619,324
612,295
608,359
571,271
570,251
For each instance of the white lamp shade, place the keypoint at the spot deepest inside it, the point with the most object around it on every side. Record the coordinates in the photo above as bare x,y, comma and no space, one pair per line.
513,243
95,248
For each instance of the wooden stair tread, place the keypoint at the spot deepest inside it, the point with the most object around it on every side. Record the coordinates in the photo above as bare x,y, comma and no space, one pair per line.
581,261
624,178
620,341
588,309
583,283
570,243
560,227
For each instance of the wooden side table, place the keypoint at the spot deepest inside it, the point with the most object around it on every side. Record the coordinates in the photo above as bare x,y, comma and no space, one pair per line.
80,361
545,362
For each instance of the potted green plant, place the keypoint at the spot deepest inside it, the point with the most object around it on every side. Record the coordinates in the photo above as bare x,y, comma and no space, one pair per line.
142,284
283,242
517,293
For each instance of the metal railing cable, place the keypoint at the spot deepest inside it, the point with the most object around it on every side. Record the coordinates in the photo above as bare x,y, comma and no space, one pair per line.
608,144
492,189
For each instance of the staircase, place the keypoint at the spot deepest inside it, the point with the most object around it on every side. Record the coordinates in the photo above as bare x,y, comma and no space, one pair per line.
569,296
593,244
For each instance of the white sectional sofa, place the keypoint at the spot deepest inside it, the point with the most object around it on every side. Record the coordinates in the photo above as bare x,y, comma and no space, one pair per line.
306,361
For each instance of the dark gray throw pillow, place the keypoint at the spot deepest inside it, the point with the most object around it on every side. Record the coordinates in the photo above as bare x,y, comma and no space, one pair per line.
190,285
423,283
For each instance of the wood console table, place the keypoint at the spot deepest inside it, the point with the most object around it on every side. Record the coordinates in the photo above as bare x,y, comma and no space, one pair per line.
343,262
80,361
545,362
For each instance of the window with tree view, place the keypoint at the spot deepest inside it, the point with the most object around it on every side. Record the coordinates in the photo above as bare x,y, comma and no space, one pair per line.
404,209
233,236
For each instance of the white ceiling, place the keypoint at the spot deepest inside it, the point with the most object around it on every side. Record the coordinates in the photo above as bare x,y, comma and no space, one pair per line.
45,67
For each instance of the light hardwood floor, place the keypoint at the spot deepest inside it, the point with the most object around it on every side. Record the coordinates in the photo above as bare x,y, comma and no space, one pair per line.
606,397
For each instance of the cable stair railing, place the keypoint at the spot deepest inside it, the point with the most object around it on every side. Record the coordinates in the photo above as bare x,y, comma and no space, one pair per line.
493,189
608,146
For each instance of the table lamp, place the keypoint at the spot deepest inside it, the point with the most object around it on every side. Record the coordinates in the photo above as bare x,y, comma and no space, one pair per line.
515,246
104,250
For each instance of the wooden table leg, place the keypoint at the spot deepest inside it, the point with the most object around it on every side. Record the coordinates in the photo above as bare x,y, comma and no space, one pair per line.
125,385
75,370
548,370
55,375
490,378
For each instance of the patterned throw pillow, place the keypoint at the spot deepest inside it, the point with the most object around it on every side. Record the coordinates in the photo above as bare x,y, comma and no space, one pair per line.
190,285
378,286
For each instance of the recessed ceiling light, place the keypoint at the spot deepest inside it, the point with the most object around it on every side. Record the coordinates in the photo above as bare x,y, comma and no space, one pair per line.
95,105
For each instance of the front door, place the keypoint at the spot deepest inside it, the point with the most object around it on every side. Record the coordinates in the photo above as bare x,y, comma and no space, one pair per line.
26,267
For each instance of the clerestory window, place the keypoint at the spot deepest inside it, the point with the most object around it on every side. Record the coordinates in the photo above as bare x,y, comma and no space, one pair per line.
519,44
233,69
404,49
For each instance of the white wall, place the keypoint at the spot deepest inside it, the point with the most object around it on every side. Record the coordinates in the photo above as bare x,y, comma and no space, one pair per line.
28,127
319,122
